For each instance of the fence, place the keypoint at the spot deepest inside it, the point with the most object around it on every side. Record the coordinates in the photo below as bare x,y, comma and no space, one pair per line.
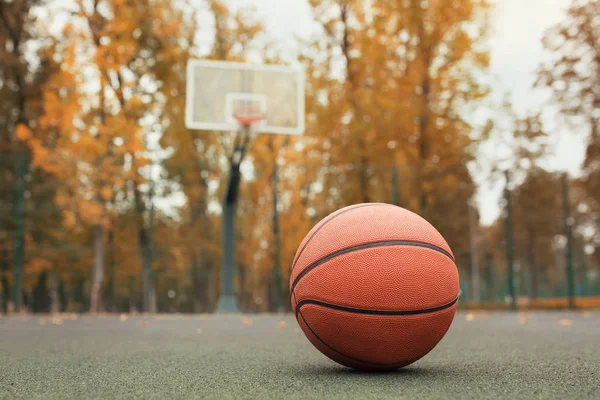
550,243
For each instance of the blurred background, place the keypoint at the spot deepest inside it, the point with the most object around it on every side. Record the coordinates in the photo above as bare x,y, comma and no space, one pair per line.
481,116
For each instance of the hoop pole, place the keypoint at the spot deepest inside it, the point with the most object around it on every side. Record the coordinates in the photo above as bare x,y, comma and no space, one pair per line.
227,302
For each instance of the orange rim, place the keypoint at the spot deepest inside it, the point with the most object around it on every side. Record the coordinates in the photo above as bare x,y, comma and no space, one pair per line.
247,120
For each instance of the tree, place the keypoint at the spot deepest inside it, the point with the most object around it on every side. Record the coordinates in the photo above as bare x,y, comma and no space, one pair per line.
98,136
409,109
573,75
23,69
141,46
537,223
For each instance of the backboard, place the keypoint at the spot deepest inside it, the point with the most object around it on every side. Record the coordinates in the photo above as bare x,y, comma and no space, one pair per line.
218,91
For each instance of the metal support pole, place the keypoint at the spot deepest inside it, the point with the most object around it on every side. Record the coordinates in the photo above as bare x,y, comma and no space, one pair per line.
509,244
476,298
583,269
150,290
19,240
491,295
277,240
568,227
227,302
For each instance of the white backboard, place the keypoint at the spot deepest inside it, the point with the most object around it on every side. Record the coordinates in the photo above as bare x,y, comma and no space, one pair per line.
217,90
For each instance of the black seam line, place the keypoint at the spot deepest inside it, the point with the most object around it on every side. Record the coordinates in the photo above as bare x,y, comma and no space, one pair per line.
375,312
337,351
384,243
295,302
390,365
328,221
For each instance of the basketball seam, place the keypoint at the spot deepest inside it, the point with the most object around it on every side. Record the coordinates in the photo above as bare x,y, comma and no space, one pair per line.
295,302
354,310
339,352
298,312
385,243
328,221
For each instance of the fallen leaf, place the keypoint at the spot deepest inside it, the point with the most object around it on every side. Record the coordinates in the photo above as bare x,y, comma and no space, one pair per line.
145,324
281,324
470,317
246,321
56,321
565,322
123,317
522,319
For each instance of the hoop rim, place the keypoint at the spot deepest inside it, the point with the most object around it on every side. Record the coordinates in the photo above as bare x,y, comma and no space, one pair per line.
249,120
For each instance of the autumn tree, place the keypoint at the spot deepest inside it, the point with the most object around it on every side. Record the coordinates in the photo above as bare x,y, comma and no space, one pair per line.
142,46
23,69
538,221
573,75
99,136
410,73
440,60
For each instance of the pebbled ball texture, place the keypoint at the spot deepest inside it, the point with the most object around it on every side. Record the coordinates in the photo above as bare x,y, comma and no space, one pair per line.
374,286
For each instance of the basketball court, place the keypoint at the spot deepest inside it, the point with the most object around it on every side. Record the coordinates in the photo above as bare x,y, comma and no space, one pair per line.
204,210
492,355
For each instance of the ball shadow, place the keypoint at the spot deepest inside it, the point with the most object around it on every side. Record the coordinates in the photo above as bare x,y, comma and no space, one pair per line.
341,371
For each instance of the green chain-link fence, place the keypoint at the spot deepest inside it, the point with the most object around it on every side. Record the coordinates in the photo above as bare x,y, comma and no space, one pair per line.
46,264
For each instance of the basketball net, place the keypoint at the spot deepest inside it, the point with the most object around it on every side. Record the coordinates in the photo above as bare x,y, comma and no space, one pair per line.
248,117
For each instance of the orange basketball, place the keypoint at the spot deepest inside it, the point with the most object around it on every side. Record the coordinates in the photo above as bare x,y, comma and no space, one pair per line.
374,286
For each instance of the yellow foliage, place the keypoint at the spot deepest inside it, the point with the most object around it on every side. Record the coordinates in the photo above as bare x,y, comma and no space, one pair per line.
69,219
106,193
408,72
23,132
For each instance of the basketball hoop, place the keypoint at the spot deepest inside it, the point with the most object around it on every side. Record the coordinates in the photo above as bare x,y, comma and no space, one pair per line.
269,97
248,119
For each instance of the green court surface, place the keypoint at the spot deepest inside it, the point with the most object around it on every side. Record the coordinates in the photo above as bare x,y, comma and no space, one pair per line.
495,355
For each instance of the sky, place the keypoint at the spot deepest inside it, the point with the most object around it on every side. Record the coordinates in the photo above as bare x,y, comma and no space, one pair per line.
516,52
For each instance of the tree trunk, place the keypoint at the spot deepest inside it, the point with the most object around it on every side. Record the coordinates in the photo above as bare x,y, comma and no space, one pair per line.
133,306
53,291
4,283
41,296
423,146
110,289
149,299
98,270
423,112
79,293
533,273
63,296
357,112
364,175
198,287
202,284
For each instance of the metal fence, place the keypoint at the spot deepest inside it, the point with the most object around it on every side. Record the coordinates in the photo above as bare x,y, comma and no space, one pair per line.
541,251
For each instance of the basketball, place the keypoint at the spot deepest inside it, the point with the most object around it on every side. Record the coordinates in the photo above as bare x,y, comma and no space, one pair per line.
374,286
